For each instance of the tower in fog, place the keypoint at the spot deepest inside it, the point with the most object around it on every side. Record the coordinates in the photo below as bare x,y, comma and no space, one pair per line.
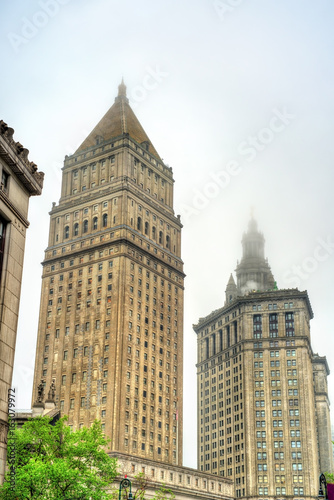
263,408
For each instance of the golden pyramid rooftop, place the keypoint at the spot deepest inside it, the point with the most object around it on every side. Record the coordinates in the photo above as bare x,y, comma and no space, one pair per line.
119,120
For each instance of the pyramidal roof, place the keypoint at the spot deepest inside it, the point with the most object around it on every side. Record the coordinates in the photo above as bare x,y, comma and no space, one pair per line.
231,281
118,120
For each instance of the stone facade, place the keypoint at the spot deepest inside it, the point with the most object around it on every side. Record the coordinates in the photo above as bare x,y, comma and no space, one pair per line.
183,482
19,180
111,315
263,410
320,373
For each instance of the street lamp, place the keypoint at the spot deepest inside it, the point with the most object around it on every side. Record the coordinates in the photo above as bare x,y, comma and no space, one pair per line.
124,484
322,490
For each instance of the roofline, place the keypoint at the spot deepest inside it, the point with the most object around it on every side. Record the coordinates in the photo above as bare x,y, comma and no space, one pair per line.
16,157
250,297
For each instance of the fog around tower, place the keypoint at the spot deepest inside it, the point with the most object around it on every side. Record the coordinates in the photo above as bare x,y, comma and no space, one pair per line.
236,97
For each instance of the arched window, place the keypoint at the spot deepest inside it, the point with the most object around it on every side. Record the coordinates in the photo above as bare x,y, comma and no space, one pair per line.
160,238
95,223
139,223
105,220
167,242
76,229
66,232
154,233
146,227
85,226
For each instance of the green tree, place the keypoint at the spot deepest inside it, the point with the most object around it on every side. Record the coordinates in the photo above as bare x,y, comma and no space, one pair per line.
52,462
329,477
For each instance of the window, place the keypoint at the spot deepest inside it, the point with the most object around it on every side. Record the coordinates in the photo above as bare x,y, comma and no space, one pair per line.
66,232
289,324
4,180
257,326
94,223
2,241
76,229
85,226
104,220
273,325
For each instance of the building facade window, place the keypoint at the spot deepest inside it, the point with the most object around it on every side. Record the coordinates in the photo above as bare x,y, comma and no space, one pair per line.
2,243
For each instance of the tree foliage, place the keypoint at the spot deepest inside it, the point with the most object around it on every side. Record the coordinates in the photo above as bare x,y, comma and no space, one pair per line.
52,462
329,477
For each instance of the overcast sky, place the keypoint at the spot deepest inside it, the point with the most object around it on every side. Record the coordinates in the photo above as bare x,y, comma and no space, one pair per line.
236,96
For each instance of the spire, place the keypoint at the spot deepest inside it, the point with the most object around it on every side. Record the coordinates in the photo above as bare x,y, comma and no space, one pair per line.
253,272
122,93
231,290
122,89
119,120
252,226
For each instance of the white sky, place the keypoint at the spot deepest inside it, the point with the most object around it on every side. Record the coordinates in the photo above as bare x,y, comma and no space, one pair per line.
223,71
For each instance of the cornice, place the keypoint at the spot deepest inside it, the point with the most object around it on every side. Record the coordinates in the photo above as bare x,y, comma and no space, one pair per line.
117,241
281,294
16,157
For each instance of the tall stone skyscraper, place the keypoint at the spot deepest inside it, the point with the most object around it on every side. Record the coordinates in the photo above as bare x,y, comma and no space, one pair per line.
263,408
111,316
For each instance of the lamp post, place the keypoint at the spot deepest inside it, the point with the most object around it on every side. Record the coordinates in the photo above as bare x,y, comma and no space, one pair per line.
322,488
124,484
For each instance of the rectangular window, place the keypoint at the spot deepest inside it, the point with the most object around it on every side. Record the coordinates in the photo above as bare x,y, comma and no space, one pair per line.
257,326
273,325
4,180
2,240
289,324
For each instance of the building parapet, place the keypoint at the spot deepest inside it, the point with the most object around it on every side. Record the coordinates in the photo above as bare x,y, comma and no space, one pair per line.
16,156
184,482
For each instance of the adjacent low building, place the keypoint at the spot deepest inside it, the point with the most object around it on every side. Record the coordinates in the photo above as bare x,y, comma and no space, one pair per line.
185,483
19,180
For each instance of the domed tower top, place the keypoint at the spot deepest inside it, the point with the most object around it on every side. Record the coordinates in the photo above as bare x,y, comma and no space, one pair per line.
253,241
253,272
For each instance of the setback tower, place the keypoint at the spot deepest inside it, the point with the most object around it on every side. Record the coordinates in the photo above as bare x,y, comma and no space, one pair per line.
111,316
